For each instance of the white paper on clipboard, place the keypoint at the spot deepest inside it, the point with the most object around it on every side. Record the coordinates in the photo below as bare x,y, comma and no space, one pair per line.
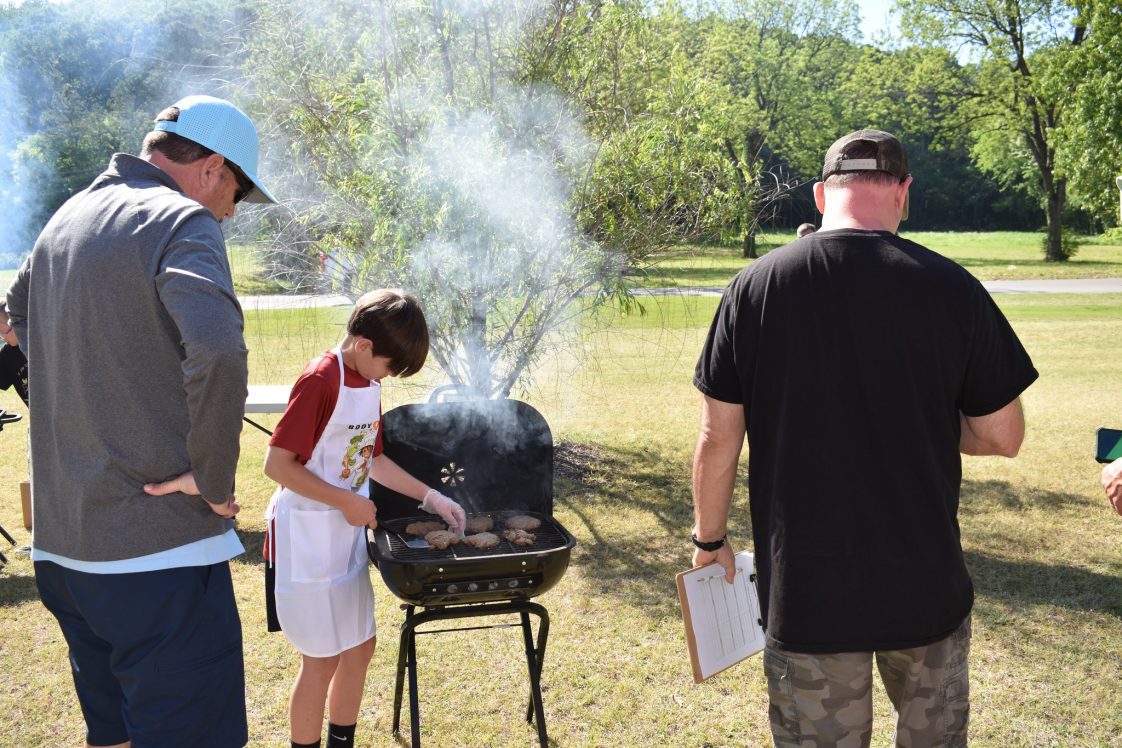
722,620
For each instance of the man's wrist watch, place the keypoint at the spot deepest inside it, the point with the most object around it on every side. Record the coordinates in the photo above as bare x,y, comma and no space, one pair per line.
710,545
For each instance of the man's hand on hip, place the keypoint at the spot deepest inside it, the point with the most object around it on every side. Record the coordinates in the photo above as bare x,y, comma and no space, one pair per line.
186,484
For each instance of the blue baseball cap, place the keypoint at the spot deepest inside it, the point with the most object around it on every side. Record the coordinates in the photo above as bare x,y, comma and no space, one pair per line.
223,128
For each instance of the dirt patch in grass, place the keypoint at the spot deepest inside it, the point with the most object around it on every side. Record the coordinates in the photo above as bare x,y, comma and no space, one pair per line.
576,462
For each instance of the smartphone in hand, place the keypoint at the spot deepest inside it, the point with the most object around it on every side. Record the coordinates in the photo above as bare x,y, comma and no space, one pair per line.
1108,444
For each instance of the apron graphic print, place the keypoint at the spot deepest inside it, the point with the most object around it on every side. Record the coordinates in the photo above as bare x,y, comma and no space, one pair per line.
356,460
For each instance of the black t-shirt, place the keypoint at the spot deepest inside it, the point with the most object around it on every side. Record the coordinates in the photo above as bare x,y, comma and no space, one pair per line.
853,353
13,370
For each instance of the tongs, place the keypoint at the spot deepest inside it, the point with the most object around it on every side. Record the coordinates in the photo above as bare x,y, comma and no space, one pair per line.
416,543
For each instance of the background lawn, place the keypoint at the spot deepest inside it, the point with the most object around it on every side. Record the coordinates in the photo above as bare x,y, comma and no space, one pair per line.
1004,255
1042,544
997,255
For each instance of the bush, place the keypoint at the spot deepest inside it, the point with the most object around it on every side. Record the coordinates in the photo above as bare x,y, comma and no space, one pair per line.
1069,243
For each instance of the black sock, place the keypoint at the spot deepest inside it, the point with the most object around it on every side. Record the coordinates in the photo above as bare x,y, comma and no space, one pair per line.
340,737
306,745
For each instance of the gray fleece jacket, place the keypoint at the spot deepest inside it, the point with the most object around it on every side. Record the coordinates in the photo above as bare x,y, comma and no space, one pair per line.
137,366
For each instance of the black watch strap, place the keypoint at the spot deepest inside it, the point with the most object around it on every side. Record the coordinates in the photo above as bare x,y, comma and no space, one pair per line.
710,546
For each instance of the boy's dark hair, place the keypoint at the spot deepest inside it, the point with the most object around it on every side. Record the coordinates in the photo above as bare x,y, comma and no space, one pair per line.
176,147
392,319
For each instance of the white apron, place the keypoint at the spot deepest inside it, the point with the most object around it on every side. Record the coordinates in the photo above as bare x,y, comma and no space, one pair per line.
324,599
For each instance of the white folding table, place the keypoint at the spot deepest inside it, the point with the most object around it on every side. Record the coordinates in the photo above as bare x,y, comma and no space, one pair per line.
266,398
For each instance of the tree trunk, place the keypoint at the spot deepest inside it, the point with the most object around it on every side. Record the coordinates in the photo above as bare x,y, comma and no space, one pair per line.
749,245
481,377
1054,248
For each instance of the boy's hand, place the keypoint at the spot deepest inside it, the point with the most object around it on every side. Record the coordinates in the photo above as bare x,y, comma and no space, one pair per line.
437,503
360,511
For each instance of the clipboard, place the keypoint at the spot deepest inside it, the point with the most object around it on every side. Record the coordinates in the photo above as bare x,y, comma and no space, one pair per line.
722,620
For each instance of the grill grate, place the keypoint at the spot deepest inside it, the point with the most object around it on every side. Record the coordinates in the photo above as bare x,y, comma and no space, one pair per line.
546,538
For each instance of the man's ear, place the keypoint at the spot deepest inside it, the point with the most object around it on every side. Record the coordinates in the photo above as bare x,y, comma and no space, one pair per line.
820,196
211,171
906,185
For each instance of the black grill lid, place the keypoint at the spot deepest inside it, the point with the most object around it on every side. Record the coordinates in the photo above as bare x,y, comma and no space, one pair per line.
489,455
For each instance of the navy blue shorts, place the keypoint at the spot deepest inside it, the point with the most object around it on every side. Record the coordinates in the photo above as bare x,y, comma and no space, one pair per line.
156,655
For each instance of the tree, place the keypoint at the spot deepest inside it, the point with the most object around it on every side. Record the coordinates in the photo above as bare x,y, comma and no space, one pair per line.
1090,143
443,147
82,80
914,93
778,65
1016,106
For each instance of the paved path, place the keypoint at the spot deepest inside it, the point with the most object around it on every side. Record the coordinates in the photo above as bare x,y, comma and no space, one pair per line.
1085,285
1075,285
294,301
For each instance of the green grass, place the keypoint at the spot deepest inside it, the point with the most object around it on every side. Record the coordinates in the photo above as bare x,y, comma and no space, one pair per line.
1041,542
246,265
997,255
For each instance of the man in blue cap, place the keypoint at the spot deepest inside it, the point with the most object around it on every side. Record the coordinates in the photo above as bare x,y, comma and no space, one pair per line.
127,313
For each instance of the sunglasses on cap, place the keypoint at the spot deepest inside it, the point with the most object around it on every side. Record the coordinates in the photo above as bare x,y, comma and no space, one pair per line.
245,185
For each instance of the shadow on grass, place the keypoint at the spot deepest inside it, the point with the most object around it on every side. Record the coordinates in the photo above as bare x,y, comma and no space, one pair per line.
982,496
638,568
601,483
1032,583
16,588
254,541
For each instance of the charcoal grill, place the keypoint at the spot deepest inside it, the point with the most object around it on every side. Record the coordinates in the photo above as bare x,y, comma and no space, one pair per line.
462,574
495,457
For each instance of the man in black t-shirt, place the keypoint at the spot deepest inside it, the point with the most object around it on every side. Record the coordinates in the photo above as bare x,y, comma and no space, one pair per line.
860,365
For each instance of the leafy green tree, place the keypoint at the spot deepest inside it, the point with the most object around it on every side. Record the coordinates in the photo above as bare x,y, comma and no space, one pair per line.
1090,151
914,92
1014,102
777,65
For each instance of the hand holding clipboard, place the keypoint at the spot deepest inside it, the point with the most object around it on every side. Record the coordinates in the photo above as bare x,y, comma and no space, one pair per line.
722,620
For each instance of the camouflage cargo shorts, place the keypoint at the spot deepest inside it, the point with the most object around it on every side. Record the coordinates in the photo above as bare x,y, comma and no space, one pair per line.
827,700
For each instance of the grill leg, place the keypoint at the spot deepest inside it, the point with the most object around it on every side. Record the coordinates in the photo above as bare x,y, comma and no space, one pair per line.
9,538
414,706
535,658
405,652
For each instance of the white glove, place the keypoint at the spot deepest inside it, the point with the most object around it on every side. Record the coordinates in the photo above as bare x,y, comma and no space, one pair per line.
437,503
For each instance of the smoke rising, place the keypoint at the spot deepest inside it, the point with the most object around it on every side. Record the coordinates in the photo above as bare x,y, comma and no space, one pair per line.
443,170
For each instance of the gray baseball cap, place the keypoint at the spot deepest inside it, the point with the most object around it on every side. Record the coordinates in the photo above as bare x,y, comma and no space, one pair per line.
866,150
223,128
